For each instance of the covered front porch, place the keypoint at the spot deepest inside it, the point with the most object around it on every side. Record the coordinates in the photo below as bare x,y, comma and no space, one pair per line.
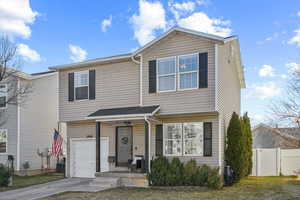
130,140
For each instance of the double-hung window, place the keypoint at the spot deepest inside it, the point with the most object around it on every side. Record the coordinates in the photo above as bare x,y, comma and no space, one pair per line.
173,139
3,141
188,69
3,95
81,80
183,139
166,74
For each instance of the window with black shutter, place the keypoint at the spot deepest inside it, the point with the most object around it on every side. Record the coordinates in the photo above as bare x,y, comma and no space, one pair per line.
159,140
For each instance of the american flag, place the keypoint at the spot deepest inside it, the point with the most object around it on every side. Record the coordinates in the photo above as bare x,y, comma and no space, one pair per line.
57,142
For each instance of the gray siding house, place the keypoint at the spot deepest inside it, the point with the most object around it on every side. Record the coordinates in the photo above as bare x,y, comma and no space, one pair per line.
172,97
29,126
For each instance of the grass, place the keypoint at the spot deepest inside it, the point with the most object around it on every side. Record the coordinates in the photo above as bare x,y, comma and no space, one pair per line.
24,181
252,188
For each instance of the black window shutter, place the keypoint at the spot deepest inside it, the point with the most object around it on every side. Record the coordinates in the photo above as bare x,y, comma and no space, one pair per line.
203,73
71,86
159,140
92,84
152,76
207,148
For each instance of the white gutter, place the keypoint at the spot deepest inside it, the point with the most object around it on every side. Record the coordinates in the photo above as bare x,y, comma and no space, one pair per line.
149,143
141,75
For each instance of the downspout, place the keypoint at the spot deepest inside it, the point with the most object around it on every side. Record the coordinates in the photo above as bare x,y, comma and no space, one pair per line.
141,76
18,128
149,144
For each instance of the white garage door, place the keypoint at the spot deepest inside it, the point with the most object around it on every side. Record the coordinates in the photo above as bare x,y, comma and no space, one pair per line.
83,156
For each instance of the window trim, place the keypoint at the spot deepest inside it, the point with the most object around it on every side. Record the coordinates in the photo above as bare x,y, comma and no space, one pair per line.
88,85
189,72
182,154
5,107
164,142
3,153
157,75
183,140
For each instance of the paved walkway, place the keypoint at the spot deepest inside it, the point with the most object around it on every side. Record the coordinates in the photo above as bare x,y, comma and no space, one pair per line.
51,188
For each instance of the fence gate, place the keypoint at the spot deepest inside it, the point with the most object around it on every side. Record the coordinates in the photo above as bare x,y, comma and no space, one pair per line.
273,161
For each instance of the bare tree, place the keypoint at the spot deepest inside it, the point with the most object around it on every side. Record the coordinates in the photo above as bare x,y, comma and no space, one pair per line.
12,90
286,110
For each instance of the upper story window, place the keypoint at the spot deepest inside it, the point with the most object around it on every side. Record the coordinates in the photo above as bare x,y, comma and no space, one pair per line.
3,141
181,75
166,74
81,85
188,71
3,95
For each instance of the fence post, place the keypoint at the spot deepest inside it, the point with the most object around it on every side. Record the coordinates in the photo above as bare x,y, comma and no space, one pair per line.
257,162
278,161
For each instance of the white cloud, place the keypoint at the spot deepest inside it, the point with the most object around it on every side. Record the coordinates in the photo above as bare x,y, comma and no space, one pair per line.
264,91
27,53
293,67
77,54
179,9
296,38
106,23
266,70
298,13
199,21
15,17
151,17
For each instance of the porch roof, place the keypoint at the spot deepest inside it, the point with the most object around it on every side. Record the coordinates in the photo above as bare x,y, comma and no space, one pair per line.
136,111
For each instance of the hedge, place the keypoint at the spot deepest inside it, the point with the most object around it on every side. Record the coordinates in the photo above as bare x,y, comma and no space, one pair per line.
175,173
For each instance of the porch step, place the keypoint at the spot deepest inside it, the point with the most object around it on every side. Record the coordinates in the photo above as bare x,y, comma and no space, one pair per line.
106,182
124,179
120,175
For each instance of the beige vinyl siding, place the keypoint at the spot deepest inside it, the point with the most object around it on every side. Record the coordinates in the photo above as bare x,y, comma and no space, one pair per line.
229,89
117,85
188,101
39,117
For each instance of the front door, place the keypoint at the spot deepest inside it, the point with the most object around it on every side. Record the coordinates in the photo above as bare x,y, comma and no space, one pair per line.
124,145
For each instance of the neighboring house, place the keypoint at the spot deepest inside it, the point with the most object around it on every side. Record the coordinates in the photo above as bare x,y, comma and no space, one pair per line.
267,137
172,97
30,125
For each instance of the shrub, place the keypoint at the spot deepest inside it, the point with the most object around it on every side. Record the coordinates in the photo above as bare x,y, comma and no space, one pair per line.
189,173
248,144
235,151
4,175
202,175
159,172
175,173
214,179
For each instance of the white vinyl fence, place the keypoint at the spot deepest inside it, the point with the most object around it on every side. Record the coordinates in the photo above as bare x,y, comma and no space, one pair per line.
272,162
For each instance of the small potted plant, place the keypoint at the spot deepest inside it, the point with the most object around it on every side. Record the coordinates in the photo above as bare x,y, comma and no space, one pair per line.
26,166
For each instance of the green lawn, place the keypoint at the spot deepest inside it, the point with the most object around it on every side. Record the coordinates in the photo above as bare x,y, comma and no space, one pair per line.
24,181
252,188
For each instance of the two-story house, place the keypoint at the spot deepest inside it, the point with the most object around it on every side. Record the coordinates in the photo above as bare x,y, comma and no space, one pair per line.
172,97
28,126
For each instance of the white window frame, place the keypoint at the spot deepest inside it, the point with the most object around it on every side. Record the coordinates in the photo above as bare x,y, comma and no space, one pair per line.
182,154
189,72
5,96
5,130
157,75
88,80
164,140
183,140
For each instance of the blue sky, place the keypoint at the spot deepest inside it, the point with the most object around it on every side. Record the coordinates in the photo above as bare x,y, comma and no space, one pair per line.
58,32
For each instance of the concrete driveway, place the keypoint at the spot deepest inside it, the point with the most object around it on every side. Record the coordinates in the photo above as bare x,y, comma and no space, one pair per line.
48,189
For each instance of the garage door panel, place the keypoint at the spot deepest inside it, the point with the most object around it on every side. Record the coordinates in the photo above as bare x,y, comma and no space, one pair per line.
84,158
